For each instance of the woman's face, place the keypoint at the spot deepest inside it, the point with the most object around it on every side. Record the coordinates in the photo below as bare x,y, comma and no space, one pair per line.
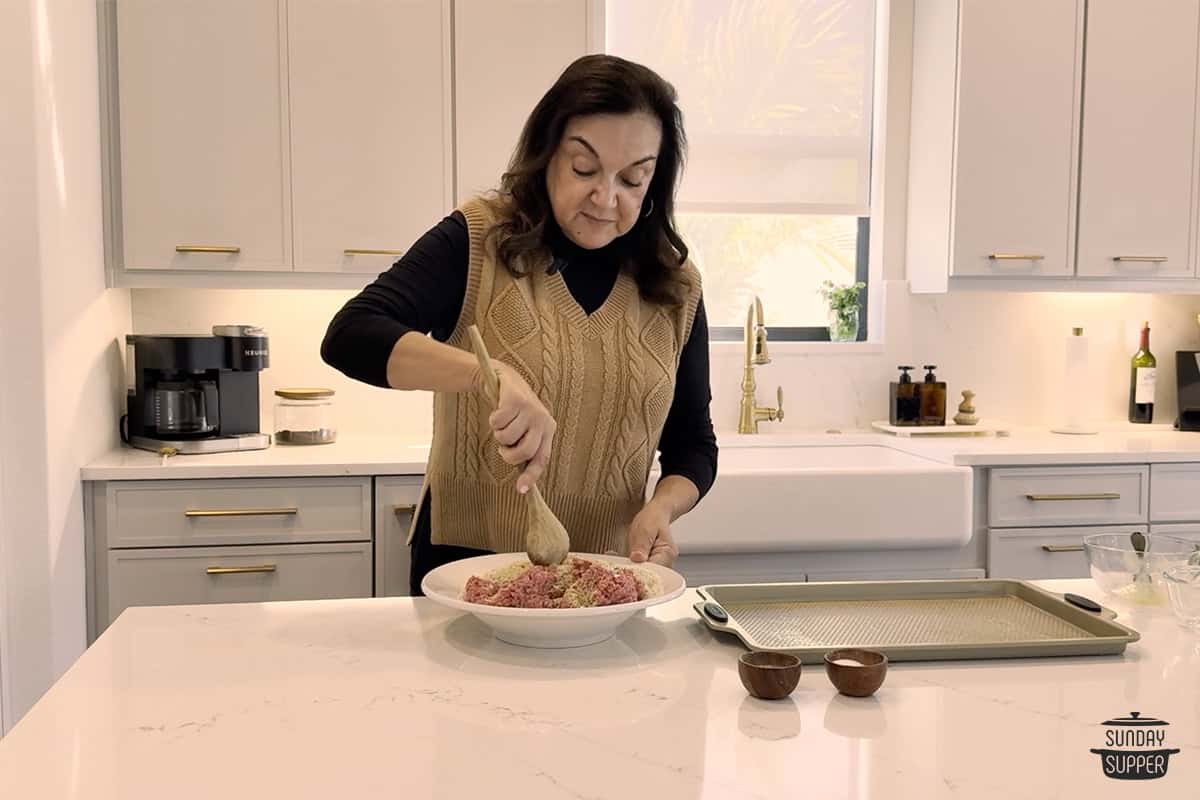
599,175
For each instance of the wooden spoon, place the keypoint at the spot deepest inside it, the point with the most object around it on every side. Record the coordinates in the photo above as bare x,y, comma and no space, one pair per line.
546,540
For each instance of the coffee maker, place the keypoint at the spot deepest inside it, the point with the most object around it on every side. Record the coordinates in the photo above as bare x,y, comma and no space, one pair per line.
1187,387
195,394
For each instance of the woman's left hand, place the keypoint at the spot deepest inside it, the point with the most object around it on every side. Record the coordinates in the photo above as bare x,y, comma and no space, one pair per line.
650,535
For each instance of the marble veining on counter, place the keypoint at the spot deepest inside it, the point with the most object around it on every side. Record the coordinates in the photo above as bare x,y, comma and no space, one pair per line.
400,698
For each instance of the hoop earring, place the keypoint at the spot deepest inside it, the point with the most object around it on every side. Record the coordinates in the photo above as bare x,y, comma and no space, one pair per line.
649,210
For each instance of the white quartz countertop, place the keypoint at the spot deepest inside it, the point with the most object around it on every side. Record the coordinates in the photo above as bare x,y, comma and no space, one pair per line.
1114,444
388,698
1122,444
362,455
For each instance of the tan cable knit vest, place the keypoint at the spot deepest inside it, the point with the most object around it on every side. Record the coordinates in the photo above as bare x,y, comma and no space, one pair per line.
608,379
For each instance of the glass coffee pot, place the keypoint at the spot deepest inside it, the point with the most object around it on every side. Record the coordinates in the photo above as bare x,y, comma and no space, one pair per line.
181,408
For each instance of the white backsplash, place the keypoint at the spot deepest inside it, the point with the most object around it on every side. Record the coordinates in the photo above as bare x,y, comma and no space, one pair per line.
1007,347
295,321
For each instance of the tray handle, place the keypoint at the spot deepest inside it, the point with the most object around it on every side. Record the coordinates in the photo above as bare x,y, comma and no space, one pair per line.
1087,604
713,615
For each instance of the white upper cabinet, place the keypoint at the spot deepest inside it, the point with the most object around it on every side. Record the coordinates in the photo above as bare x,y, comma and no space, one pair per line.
994,142
1014,174
1136,178
268,136
370,95
203,135
507,53
311,142
1054,145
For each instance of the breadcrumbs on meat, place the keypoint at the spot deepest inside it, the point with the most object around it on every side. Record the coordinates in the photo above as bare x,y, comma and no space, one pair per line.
576,583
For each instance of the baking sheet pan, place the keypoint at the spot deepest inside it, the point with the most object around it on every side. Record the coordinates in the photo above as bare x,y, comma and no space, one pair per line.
911,620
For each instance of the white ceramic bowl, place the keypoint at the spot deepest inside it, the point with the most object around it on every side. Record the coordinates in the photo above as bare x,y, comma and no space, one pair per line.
543,627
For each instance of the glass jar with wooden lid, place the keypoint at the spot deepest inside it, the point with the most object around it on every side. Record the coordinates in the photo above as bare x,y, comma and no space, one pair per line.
304,416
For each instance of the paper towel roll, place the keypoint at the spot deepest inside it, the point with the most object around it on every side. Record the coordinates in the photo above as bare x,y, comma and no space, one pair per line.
1076,387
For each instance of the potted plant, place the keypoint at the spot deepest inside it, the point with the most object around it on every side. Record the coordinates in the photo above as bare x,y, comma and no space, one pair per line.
843,310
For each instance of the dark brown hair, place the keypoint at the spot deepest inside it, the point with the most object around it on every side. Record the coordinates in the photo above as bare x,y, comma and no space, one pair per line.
598,84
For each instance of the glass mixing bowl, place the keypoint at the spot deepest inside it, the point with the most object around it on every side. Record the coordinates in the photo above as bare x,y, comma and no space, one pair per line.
1117,567
1183,588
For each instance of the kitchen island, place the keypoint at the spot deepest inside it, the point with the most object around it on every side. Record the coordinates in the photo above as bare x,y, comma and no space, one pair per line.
396,697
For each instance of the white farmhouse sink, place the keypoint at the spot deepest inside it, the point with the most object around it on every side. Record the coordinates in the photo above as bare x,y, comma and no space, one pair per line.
812,495
821,458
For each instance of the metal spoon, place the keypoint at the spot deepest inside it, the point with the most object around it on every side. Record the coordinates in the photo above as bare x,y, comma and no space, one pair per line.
1138,540
546,540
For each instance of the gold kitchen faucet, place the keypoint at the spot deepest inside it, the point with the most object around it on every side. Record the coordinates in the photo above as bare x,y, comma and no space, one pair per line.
756,353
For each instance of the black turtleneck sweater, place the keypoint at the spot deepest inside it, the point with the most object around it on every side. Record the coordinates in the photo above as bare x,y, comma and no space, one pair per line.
423,291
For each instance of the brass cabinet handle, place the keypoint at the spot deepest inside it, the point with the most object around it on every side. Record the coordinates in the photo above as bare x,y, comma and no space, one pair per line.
242,512
1141,259
400,511
1063,548
206,248
357,251
1016,257
240,570
1037,498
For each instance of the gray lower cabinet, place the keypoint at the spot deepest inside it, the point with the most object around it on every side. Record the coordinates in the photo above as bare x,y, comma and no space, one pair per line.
395,503
191,513
1041,553
1175,499
1037,517
175,575
1026,497
1182,530
222,540
183,542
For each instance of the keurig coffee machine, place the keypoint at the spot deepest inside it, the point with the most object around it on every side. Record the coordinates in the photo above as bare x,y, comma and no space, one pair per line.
196,394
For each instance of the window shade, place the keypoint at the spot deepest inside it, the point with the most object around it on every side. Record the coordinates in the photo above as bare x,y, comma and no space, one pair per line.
776,97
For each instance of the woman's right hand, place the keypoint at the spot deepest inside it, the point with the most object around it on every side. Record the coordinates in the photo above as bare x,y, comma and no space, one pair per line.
523,428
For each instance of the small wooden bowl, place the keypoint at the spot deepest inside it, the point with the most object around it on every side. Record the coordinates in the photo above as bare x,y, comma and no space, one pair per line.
769,676
860,679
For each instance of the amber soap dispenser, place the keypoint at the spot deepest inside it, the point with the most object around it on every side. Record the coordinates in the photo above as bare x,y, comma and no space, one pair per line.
933,399
904,406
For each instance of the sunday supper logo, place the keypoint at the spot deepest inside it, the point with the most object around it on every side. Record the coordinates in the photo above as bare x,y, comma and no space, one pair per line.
1135,748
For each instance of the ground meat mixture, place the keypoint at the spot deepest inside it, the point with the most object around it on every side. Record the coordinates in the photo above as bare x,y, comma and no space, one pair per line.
577,583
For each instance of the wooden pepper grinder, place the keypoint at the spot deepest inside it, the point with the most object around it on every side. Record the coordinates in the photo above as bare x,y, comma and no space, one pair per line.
966,410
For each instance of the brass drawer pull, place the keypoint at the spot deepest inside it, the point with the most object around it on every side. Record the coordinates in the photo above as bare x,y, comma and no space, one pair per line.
206,248
1016,257
356,251
1141,259
240,570
242,512
401,511
1063,548
1037,498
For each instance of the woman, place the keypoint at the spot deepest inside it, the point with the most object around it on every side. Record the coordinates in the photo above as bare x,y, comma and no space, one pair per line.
581,288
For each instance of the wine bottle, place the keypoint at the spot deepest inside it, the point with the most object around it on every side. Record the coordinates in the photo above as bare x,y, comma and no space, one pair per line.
1142,379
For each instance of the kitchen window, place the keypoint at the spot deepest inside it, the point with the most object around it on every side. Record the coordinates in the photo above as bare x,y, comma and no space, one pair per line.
777,103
